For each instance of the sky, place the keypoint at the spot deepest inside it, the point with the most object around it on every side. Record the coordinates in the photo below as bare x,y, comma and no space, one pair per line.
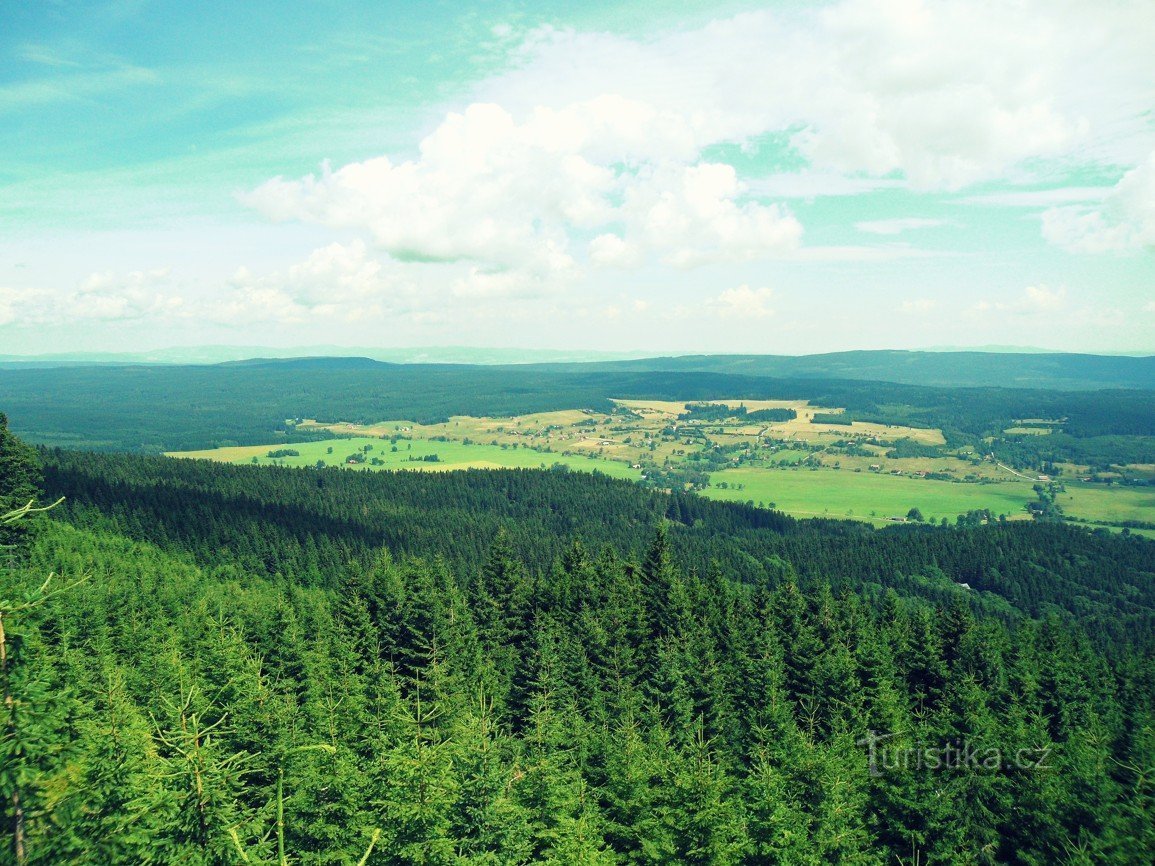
654,177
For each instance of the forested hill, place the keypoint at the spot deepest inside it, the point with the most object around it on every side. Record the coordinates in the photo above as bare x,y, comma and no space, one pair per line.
954,368
388,669
309,524
1044,370
173,408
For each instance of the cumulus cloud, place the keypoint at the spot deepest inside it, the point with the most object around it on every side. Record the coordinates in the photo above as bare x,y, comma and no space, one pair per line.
510,197
692,215
943,94
1124,222
744,302
1035,300
23,305
104,296
135,295
599,149
612,251
337,281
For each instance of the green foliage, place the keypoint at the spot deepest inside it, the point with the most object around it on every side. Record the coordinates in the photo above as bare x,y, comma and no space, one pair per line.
371,670
248,403
907,447
19,482
831,418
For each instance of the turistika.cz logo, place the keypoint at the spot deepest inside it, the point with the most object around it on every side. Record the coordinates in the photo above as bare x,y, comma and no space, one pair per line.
885,756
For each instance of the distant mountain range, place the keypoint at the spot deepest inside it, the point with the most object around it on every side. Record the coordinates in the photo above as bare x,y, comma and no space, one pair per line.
1025,369
413,355
941,369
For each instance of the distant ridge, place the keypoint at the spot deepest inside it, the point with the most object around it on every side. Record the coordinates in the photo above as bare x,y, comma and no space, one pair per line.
1054,370
938,368
405,355
312,363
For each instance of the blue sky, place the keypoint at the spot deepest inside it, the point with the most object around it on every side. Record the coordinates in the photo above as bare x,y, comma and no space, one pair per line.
657,176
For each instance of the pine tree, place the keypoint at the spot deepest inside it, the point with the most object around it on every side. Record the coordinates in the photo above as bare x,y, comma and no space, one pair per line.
20,480
117,810
413,785
204,779
567,825
487,823
709,822
34,704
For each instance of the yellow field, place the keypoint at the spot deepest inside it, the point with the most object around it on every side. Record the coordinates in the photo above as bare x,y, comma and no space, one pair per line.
801,428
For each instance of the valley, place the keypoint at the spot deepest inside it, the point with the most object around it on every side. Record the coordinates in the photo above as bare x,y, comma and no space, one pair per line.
801,458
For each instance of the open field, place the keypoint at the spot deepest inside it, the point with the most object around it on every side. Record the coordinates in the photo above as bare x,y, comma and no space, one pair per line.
409,454
1112,504
801,428
865,496
842,470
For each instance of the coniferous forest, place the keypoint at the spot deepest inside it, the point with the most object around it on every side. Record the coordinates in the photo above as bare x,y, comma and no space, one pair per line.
577,433
207,664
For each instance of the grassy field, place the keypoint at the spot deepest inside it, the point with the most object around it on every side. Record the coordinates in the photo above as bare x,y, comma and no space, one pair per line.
453,455
1113,504
621,444
875,496
866,496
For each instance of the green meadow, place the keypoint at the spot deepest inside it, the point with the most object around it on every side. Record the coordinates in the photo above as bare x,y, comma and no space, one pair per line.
824,492
1113,504
409,455
876,497
865,495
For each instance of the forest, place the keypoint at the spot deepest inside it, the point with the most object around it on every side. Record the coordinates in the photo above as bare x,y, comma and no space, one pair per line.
158,408
212,664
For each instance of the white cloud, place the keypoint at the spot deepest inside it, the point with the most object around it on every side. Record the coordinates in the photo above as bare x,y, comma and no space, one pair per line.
1124,222
338,281
336,273
917,306
691,215
897,226
508,283
593,150
944,94
23,305
105,296
611,251
1035,300
135,295
744,302
509,197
